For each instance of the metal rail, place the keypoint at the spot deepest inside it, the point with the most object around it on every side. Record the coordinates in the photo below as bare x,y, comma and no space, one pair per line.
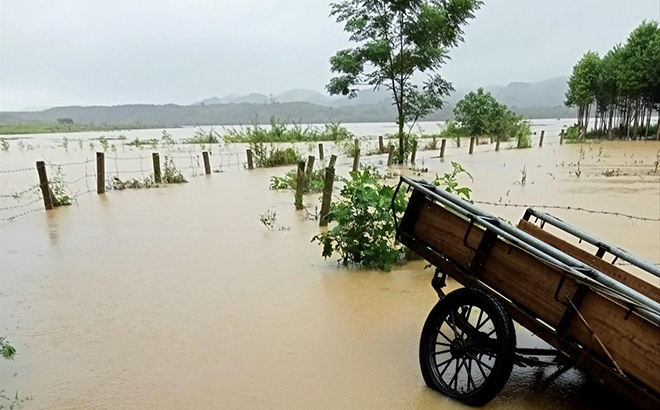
607,247
646,307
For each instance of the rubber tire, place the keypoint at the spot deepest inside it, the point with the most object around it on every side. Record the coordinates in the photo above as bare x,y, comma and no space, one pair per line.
506,337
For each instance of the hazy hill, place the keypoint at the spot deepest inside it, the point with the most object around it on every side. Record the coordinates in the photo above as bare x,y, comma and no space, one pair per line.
547,93
532,100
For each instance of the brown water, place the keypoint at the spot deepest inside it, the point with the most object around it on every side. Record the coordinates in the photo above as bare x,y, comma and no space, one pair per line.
178,297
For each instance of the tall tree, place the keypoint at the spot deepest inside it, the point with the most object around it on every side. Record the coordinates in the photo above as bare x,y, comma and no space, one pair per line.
479,113
582,87
397,40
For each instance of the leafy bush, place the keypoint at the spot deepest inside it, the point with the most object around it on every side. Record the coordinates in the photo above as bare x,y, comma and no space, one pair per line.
409,141
315,182
572,135
364,233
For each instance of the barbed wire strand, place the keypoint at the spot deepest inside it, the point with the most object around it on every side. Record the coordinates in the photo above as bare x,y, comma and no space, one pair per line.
569,208
11,171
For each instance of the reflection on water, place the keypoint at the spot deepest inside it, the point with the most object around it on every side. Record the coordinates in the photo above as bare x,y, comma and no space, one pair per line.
178,298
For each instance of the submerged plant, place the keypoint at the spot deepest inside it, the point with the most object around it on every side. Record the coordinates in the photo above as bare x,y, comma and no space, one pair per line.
58,187
104,143
170,173
313,183
450,181
133,183
8,351
364,232
266,156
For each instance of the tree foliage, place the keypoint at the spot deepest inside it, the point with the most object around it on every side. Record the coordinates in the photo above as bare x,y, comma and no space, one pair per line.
364,232
622,87
397,40
479,113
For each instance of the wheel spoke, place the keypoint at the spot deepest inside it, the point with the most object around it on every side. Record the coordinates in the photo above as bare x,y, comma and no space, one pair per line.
453,324
443,335
479,366
490,333
446,367
455,378
481,313
442,344
469,372
480,362
441,352
485,321
446,361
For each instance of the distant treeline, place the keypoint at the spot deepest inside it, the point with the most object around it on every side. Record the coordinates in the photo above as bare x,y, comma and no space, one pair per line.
170,115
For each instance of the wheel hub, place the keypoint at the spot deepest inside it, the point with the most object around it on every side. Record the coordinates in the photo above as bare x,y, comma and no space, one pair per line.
458,348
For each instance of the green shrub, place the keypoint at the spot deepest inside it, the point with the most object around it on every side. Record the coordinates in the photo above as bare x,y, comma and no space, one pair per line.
409,141
314,184
170,173
573,135
364,234
267,156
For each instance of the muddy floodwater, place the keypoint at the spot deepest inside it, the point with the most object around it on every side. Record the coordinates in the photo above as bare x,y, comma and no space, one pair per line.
178,297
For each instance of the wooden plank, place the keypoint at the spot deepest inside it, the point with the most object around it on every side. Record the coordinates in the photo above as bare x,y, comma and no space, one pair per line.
516,274
628,279
633,341
530,283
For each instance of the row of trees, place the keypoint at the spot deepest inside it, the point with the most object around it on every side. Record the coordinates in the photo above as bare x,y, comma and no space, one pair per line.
621,89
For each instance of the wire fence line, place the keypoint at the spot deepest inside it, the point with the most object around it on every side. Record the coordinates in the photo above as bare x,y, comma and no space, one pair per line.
192,162
569,208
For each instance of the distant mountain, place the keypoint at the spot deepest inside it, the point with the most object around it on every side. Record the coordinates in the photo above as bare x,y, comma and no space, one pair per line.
547,93
543,99
301,95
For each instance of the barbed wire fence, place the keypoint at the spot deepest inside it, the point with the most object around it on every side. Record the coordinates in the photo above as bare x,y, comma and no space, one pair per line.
72,180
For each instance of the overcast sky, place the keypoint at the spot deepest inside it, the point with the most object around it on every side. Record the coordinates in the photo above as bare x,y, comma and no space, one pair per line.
108,52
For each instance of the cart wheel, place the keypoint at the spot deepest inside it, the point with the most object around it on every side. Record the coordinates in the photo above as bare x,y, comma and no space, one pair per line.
468,346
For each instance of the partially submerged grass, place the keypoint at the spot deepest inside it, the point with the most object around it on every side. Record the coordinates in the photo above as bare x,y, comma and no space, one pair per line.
290,181
267,156
282,131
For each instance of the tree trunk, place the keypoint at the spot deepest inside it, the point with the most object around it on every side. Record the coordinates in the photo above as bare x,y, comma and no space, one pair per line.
636,126
657,131
609,123
401,124
648,120
586,120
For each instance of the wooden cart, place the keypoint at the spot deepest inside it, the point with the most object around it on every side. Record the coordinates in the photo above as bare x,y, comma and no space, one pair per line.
592,313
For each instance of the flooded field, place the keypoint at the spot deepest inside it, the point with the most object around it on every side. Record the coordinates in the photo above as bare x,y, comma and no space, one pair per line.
177,297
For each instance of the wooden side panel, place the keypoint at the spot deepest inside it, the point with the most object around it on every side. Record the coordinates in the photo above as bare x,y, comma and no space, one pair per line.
610,270
634,343
512,272
536,286
529,282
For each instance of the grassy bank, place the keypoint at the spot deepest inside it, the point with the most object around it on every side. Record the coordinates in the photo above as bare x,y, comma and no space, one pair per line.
49,128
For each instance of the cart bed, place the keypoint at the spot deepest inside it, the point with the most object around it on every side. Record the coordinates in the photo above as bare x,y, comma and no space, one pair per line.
541,291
